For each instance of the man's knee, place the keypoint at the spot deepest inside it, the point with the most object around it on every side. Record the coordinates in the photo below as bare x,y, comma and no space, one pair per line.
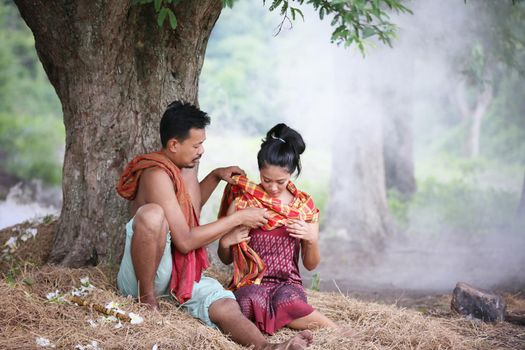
223,308
150,220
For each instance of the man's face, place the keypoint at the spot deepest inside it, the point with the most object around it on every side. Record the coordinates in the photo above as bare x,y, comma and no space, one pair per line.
189,151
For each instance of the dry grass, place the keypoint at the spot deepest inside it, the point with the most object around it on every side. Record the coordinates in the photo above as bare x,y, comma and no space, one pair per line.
26,314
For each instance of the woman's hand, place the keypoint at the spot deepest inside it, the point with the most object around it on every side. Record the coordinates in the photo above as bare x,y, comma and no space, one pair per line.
237,235
302,230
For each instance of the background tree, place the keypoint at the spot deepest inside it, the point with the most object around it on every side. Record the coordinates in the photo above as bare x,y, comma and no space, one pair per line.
30,125
114,69
495,51
521,206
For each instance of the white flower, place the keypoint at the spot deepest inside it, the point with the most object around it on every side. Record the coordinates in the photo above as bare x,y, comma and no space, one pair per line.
29,233
118,325
43,342
11,243
114,306
111,305
85,286
155,347
135,319
77,292
110,318
53,295
92,346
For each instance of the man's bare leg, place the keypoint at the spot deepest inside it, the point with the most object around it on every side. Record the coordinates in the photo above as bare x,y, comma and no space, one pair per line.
147,247
227,315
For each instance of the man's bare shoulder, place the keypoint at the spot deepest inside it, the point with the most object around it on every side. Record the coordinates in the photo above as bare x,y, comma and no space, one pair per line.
155,178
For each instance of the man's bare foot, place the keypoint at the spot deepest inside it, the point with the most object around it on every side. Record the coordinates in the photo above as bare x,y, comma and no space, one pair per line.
150,301
300,341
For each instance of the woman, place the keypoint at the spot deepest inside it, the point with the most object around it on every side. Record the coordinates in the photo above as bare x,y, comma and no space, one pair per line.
267,283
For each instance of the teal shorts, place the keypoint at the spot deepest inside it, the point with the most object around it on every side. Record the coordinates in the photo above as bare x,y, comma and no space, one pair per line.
204,293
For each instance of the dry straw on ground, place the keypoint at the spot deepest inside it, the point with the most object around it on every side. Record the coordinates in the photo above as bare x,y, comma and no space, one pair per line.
26,314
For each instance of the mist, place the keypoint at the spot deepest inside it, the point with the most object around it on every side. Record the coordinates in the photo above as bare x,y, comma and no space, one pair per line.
335,96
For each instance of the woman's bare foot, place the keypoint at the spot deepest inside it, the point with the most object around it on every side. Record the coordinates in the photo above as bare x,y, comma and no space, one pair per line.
346,331
300,341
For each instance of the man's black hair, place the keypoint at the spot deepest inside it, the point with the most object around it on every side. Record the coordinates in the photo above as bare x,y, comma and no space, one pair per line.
178,119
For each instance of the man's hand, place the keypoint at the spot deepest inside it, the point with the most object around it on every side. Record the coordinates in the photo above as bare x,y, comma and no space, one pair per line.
235,236
227,173
302,230
252,217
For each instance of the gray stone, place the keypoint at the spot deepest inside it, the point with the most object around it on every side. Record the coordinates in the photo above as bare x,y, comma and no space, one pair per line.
478,303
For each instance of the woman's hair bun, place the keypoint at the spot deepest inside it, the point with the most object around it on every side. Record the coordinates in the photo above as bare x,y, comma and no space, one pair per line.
282,147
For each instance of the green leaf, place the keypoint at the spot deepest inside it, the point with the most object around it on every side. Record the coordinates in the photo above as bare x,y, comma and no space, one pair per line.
295,9
368,32
162,16
275,4
227,3
173,19
158,4
284,8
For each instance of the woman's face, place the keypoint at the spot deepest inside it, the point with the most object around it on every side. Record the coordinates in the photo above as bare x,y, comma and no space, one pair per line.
274,179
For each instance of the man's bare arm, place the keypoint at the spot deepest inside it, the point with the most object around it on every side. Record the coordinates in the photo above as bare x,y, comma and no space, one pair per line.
210,182
158,188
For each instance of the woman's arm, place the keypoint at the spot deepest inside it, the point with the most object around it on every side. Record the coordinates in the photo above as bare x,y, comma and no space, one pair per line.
308,233
236,235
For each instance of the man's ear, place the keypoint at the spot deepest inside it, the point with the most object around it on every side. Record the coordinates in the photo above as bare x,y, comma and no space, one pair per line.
173,145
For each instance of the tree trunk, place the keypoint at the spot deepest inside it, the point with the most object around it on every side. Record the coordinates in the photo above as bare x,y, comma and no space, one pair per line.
474,116
398,145
358,207
114,71
521,206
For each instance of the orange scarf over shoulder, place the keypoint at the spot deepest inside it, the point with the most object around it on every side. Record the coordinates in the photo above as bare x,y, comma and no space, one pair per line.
187,268
248,268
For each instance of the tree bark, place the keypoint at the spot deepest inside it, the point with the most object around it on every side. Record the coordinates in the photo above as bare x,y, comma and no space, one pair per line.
521,206
114,71
358,208
474,116
398,145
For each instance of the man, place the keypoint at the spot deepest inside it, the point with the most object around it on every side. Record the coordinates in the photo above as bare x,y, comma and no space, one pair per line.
164,251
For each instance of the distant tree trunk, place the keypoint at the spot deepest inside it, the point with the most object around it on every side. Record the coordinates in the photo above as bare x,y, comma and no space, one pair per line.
474,115
521,206
114,71
358,208
398,145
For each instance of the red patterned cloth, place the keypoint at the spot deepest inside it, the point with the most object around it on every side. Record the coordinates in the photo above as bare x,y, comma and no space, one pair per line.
187,268
248,268
280,298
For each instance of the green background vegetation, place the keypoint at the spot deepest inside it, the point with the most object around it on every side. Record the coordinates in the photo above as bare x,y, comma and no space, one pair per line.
239,85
